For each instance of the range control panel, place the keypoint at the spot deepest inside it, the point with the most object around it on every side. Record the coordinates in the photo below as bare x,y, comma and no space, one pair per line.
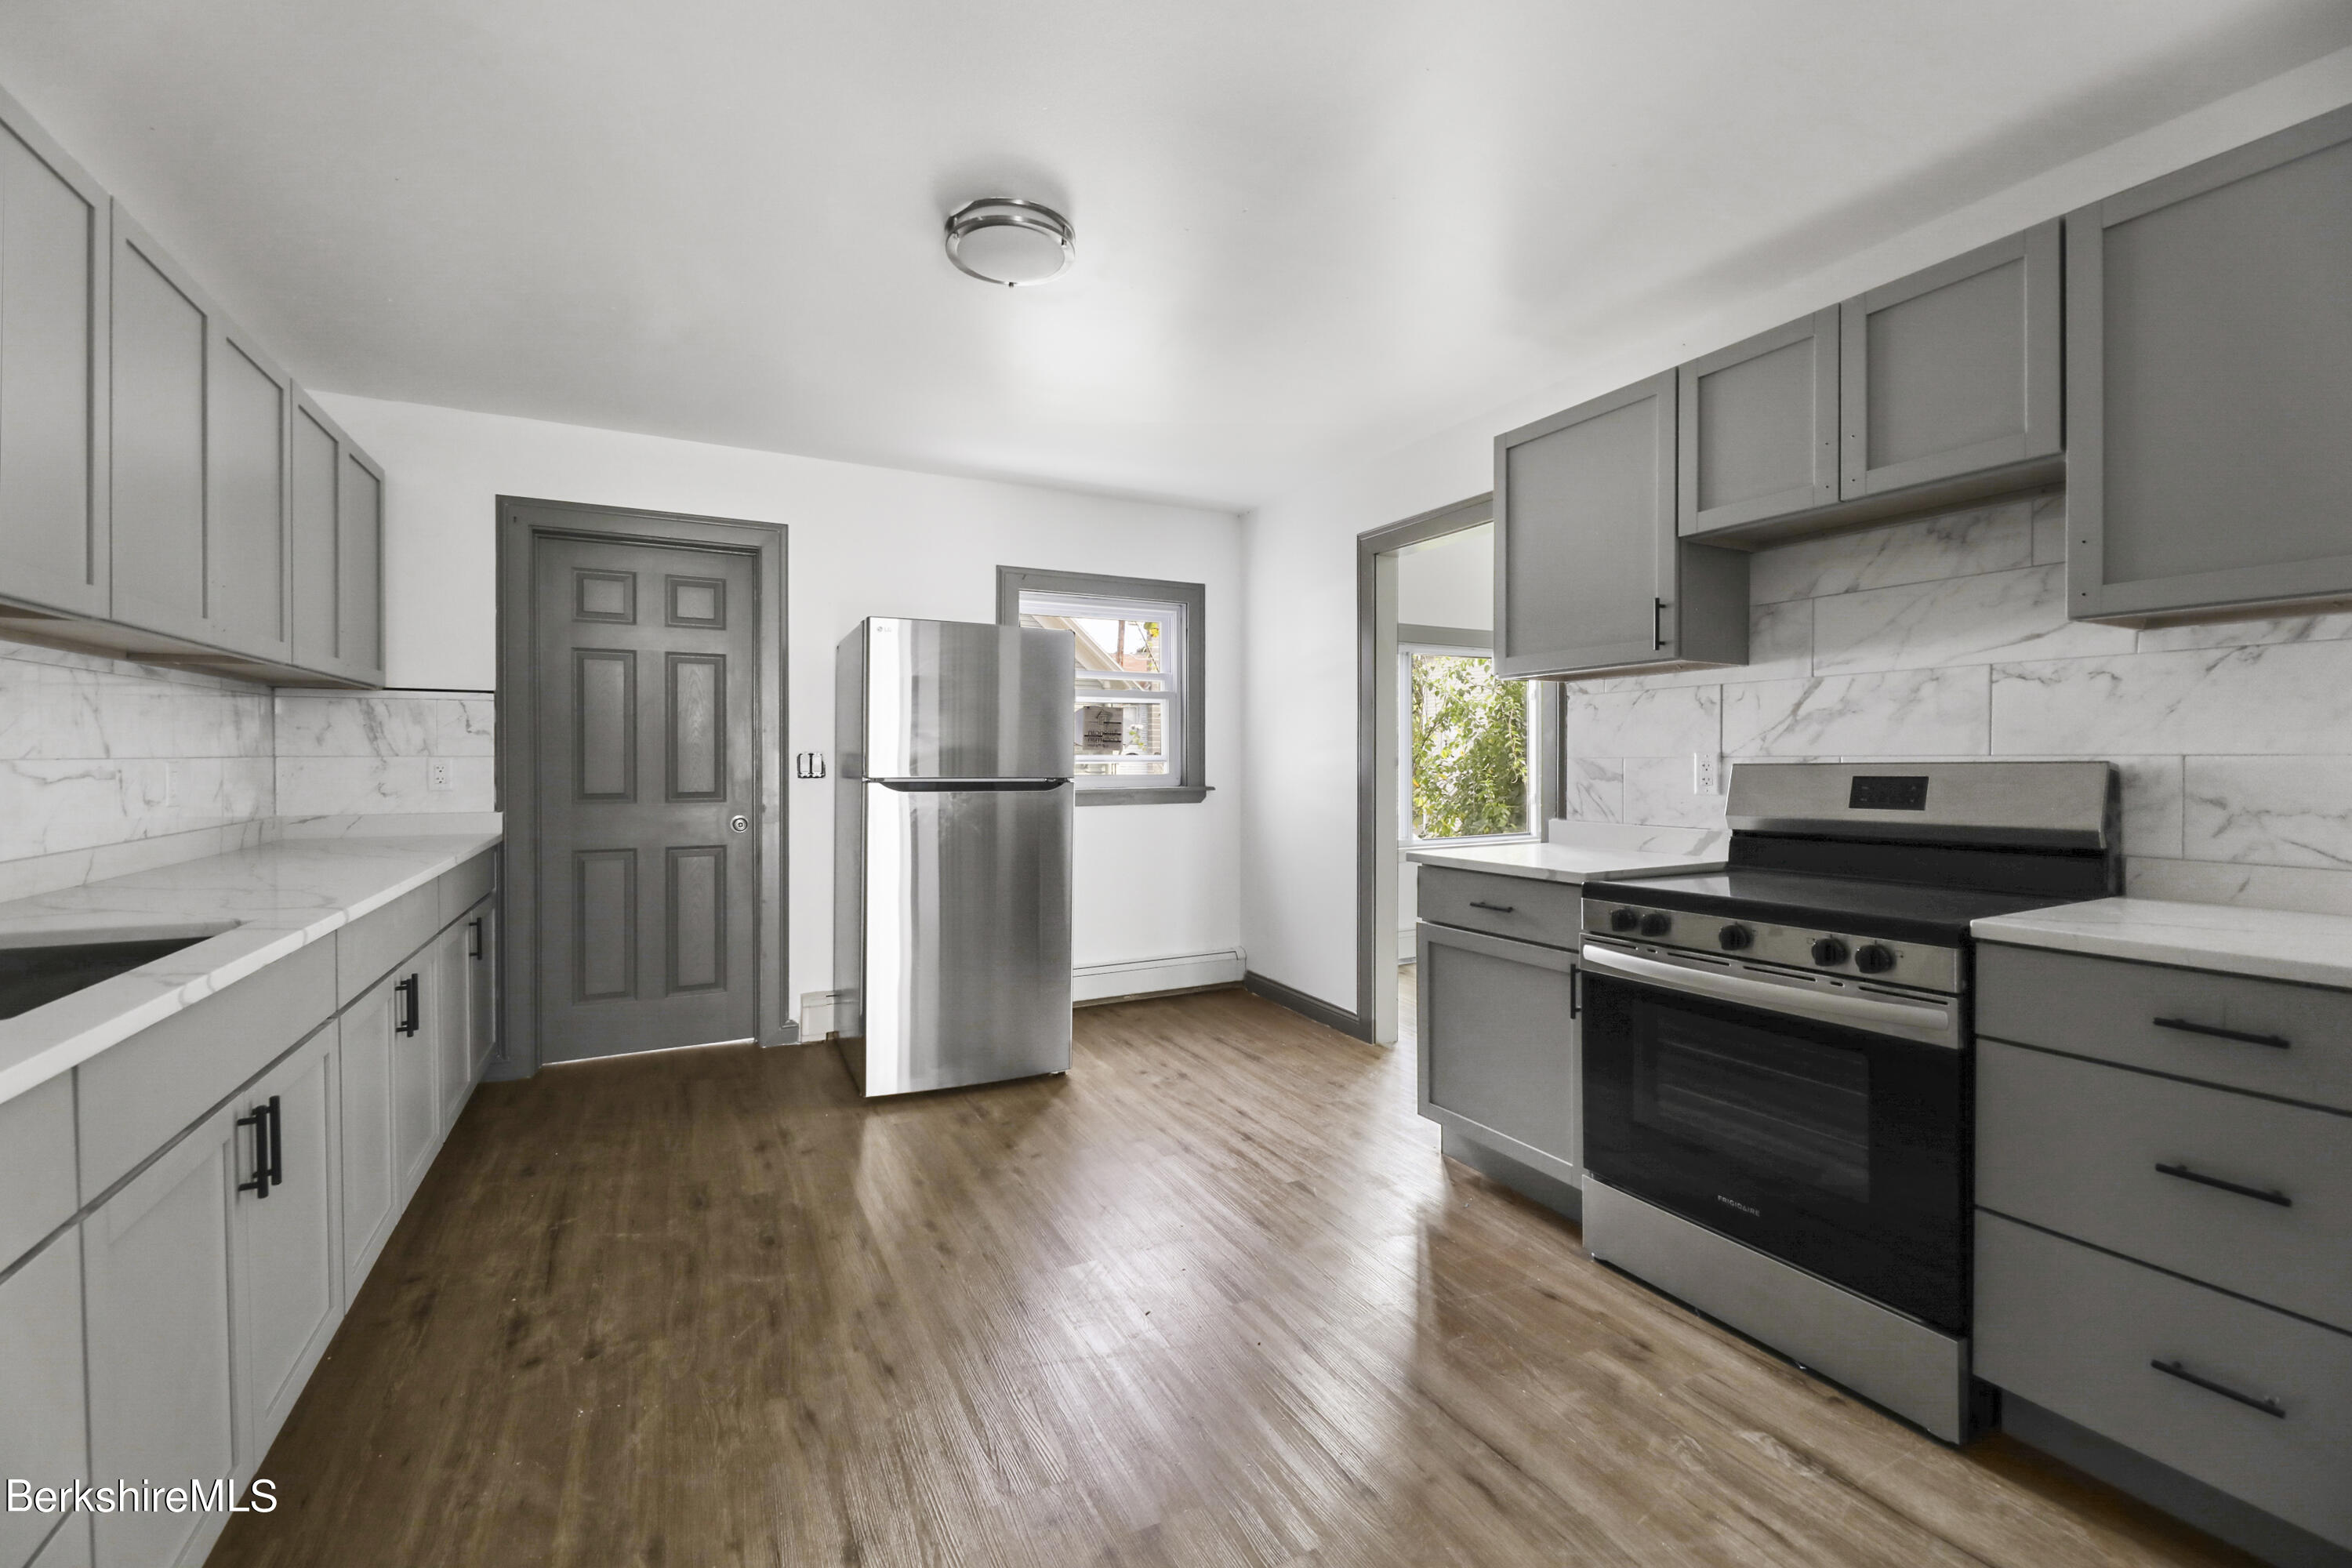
1924,966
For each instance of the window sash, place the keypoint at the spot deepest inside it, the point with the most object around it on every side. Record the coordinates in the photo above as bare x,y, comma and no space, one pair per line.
1117,687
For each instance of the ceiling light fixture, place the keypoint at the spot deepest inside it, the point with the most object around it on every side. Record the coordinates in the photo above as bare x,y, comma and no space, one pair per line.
999,240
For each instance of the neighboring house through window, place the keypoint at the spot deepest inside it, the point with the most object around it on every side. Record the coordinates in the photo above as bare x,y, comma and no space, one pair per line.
1138,694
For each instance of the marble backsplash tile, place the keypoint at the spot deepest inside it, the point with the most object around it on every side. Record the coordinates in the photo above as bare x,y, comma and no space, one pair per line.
1947,637
342,753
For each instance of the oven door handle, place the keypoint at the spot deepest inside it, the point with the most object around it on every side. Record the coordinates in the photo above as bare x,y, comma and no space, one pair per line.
1927,1022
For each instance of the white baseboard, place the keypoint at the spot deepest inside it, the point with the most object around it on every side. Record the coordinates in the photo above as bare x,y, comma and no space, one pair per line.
1140,976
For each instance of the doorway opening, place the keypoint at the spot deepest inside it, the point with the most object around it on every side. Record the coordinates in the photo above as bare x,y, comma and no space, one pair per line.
1449,754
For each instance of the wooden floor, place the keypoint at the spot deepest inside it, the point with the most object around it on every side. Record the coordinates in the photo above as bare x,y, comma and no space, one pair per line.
1213,1299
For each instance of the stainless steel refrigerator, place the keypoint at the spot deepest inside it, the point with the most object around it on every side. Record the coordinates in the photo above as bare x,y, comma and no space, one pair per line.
951,852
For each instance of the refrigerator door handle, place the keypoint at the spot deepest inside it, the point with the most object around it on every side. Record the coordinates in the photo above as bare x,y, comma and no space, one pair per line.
959,786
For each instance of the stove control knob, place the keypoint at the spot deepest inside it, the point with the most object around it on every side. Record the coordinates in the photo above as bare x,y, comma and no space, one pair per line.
1621,919
1656,924
1828,953
1873,959
1736,938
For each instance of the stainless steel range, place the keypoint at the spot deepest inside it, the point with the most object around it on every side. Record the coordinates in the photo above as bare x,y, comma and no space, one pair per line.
1778,1070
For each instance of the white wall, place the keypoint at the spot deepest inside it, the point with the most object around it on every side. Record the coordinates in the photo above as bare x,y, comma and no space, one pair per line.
1448,580
1153,881
1298,739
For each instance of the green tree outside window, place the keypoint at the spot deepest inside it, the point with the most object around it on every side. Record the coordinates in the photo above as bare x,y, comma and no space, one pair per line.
1469,749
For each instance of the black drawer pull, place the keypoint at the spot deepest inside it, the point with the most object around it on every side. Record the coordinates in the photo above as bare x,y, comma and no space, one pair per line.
266,1173
2275,1042
1498,909
2174,1369
406,991
2264,1195
474,942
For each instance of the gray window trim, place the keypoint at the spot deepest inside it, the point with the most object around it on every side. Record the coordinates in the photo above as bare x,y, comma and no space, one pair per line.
1012,581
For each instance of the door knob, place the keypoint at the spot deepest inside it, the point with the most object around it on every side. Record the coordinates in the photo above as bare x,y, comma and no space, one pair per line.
740,824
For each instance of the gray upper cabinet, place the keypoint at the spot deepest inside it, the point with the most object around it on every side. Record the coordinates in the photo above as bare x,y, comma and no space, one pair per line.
247,565
1588,575
358,570
1759,428
2208,384
161,335
336,544
54,261
1954,370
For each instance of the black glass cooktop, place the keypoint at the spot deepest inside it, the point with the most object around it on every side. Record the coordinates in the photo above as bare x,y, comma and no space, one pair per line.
1899,912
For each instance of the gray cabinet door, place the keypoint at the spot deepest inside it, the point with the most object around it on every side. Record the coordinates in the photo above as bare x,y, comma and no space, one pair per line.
286,1267
1952,370
415,1072
359,566
54,263
1587,574
1757,433
2209,382
41,1408
247,401
1496,1033
314,522
162,1399
161,336
453,1020
481,988
371,1177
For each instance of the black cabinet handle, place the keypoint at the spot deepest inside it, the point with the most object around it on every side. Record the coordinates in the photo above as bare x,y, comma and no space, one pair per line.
2275,1042
1657,625
262,1120
1575,990
1498,909
2174,1369
276,1145
474,948
2264,1194
406,991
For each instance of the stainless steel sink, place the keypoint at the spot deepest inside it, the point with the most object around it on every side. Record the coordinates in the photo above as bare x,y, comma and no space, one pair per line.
36,972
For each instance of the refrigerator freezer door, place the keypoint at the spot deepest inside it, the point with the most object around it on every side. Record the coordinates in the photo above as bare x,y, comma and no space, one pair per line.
967,962
958,700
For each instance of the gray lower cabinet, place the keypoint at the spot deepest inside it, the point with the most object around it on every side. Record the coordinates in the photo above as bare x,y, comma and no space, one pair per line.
1497,1034
162,1386
287,1263
1590,576
54,261
416,1070
482,989
68,1548
2209,385
453,1019
1758,436
1953,371
370,1188
42,1416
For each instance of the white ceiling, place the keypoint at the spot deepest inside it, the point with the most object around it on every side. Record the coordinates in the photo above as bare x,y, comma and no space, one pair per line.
1302,226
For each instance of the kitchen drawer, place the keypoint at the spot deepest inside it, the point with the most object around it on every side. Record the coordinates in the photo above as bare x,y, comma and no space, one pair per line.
2075,1330
466,885
1519,907
2108,1008
37,1166
2075,1146
138,1096
367,949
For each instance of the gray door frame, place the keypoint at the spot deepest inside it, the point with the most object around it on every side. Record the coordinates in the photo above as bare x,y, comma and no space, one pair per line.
521,521
1376,807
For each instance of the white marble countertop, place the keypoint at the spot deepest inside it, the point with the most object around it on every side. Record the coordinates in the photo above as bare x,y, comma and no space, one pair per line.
1562,862
264,902
2274,944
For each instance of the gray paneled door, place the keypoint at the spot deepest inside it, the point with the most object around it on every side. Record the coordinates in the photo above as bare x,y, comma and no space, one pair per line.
646,772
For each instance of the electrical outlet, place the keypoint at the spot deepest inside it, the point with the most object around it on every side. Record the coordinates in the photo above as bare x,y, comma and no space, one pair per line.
1706,773
437,774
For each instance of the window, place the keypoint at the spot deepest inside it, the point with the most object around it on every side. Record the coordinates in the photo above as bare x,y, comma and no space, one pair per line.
1469,744
1138,694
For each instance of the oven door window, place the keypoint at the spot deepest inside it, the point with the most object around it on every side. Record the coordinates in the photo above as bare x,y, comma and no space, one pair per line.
1829,1147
